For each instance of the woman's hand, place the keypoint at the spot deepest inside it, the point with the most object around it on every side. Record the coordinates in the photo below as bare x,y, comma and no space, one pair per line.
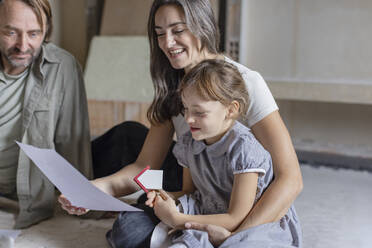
165,209
66,205
216,234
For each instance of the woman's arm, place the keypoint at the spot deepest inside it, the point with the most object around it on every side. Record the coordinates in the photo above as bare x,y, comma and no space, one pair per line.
241,202
188,186
153,153
287,183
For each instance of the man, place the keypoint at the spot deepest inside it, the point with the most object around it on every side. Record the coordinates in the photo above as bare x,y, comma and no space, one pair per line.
42,103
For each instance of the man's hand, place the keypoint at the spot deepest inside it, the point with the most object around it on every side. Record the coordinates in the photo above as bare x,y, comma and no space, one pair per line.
216,234
66,205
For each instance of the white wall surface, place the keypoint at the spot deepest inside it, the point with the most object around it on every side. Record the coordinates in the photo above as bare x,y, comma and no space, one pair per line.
317,58
118,69
309,40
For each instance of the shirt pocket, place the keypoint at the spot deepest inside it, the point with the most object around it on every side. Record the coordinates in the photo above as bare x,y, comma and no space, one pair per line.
43,120
42,108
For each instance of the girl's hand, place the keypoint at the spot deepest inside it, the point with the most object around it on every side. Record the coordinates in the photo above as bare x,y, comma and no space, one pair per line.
165,209
66,205
151,195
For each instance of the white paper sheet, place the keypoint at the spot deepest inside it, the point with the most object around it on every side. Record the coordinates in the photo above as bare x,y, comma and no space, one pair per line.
7,238
10,233
77,189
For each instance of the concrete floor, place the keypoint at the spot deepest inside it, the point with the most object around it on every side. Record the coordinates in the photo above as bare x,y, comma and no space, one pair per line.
334,209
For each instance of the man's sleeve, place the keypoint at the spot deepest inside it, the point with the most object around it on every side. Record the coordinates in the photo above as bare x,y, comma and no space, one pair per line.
72,135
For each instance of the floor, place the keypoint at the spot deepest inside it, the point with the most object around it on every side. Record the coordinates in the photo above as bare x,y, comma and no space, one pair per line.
334,208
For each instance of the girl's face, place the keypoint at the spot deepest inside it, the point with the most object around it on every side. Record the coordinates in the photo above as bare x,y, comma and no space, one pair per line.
208,120
180,46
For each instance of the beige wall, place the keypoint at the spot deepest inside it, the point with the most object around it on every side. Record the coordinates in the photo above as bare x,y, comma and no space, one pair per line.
317,58
127,17
119,17
70,27
56,35
74,28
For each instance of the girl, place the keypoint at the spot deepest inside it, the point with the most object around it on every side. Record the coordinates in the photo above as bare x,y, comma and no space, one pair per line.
225,168
183,33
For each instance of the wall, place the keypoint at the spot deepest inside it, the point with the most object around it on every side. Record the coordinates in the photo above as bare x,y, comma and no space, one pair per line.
117,73
317,59
73,25
74,28
312,40
56,18
118,81
331,127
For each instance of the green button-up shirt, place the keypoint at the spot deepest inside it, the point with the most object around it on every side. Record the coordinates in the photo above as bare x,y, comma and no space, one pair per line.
55,116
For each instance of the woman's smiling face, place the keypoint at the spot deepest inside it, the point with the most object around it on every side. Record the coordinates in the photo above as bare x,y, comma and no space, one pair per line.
177,42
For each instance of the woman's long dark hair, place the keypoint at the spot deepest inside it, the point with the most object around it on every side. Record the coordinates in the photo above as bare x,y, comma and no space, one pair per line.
201,22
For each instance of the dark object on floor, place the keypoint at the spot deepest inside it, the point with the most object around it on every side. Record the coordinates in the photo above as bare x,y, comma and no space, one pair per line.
121,145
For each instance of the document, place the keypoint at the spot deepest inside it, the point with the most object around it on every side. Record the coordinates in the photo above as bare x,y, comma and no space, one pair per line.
7,238
10,233
71,183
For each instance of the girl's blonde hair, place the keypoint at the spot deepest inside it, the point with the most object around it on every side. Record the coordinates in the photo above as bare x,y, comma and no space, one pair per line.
217,80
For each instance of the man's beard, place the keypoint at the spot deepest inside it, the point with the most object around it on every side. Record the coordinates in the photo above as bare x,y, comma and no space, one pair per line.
20,63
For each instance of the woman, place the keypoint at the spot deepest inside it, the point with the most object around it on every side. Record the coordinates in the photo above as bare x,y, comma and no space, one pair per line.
226,169
182,33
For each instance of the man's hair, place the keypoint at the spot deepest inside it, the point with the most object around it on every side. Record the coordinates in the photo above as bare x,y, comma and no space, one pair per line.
40,7
217,80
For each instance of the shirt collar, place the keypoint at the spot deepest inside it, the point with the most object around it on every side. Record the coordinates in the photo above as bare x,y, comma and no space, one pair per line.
2,76
46,55
216,149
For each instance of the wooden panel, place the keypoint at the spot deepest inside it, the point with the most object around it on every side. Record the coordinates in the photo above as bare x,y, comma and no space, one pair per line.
105,114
